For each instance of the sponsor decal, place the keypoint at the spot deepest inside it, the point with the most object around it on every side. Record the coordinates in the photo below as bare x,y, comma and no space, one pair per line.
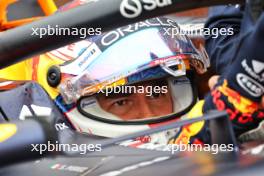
144,139
181,80
28,111
115,35
87,57
81,62
133,8
7,131
255,72
258,66
250,85
88,102
60,126
89,54
71,168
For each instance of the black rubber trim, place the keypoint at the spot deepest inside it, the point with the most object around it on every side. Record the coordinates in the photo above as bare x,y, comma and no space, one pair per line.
54,71
3,114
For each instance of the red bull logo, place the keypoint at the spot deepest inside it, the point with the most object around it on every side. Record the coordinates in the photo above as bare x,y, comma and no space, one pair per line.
189,131
242,104
240,109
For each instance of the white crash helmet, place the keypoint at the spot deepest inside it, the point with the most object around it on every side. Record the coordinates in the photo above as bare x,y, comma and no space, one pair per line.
131,54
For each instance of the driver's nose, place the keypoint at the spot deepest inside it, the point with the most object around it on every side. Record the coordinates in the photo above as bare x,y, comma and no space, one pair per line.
143,107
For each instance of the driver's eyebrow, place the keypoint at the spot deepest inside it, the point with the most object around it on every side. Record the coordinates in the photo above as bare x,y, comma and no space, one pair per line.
114,95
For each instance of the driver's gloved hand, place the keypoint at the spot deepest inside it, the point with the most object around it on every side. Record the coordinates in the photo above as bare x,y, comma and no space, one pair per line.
240,89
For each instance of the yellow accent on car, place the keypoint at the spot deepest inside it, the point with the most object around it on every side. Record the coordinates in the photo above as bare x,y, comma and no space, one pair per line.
24,71
197,111
7,131
48,6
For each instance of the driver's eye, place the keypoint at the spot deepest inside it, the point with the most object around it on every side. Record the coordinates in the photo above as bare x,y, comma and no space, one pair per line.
120,103
155,95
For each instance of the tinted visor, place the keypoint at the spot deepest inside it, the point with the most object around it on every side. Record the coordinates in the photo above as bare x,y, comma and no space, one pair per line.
131,54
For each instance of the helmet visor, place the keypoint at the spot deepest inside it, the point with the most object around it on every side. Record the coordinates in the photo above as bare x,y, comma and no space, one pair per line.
100,66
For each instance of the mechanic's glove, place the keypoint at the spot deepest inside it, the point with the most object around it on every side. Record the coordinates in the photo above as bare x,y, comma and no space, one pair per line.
240,89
